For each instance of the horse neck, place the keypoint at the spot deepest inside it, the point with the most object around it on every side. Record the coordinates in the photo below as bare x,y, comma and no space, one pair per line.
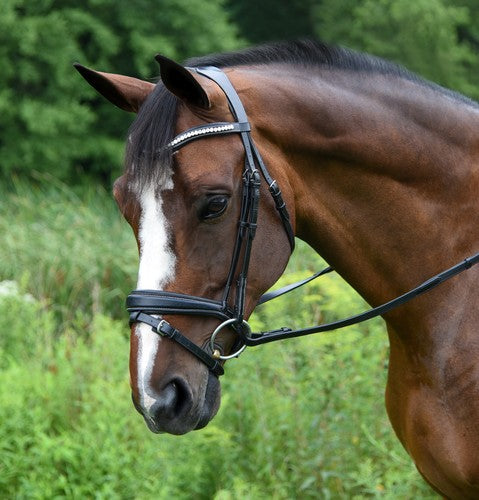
383,180
384,173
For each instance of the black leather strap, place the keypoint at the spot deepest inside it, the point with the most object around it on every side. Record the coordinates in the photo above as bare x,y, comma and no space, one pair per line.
220,78
252,153
289,288
287,333
160,302
164,329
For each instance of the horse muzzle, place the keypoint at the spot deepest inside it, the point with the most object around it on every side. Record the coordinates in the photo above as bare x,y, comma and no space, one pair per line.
176,409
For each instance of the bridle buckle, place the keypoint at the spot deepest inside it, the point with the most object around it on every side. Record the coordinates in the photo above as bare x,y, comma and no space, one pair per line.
158,328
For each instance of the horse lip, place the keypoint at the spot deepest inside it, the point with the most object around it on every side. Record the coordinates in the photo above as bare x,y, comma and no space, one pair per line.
152,425
202,422
175,429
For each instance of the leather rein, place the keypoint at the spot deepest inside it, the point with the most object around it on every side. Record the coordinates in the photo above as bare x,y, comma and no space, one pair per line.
145,306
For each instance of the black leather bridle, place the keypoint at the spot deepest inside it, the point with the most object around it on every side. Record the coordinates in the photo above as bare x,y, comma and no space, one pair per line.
145,305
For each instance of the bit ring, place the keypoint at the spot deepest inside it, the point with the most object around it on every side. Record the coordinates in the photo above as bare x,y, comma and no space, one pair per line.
216,353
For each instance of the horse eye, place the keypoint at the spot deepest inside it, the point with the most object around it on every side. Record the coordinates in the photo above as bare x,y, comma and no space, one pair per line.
214,207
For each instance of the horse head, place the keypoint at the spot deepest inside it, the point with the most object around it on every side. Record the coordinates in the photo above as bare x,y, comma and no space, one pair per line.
186,206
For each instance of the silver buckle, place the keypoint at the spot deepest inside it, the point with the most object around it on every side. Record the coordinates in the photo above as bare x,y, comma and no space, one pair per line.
158,328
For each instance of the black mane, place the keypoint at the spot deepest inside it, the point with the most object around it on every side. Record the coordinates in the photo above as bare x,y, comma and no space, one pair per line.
306,53
154,126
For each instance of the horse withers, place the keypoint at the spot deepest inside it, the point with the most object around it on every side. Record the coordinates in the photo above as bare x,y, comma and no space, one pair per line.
374,167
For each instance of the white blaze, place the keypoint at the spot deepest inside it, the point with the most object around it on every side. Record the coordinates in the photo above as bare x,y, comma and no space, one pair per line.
157,266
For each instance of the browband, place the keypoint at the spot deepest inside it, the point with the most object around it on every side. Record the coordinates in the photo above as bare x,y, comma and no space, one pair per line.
220,128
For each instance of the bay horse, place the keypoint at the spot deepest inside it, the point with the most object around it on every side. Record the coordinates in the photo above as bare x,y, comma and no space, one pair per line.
379,173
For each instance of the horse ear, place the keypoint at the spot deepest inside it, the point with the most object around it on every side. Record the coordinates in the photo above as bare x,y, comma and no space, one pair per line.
126,92
181,82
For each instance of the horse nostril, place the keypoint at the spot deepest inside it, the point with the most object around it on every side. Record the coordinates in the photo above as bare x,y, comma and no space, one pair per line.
184,399
175,399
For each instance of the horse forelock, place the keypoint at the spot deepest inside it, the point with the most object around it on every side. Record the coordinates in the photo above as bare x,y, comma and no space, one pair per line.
148,162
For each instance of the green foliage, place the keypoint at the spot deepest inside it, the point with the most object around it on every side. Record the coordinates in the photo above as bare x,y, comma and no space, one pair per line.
272,20
421,34
15,344
71,250
51,120
300,419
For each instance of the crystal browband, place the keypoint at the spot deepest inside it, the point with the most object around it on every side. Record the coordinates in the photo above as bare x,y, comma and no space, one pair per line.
213,129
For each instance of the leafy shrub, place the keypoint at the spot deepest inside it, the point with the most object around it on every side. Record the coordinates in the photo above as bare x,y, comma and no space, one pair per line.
302,419
23,324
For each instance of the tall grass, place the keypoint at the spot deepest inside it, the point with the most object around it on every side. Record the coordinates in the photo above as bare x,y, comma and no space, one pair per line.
69,248
300,419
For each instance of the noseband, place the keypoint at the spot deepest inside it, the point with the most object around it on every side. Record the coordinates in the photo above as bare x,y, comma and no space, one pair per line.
145,305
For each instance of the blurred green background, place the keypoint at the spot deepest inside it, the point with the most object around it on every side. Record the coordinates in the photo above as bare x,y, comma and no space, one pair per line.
299,419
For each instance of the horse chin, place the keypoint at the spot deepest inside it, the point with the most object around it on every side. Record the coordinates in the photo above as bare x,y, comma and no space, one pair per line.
211,402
